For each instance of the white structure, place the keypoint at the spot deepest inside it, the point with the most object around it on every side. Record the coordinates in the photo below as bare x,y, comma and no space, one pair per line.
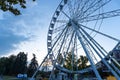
70,31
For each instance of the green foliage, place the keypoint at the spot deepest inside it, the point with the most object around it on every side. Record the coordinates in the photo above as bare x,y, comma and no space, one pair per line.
69,62
82,62
60,59
12,5
72,63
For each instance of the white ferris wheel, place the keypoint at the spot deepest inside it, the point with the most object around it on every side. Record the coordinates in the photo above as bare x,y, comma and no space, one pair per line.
75,29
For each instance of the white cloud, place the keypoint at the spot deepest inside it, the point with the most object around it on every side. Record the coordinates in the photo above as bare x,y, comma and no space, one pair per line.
37,31
37,46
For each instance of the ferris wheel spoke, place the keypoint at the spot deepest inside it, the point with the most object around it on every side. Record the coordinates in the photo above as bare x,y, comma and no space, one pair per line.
60,48
65,42
76,6
105,15
94,7
67,46
85,48
90,47
69,43
102,50
58,38
62,21
70,7
67,38
66,15
66,35
58,29
81,11
62,43
100,33
95,49
103,60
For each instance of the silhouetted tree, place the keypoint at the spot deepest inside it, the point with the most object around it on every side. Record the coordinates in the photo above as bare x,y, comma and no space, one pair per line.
6,65
20,64
32,66
12,5
10,65
3,62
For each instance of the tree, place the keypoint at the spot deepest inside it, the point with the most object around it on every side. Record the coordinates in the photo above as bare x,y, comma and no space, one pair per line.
3,62
12,5
10,65
20,64
70,61
6,65
79,63
82,62
32,66
60,58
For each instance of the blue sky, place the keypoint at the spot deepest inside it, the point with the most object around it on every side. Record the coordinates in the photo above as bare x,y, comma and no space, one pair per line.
28,32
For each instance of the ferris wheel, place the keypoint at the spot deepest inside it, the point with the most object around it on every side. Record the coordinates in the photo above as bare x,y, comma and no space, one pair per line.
74,30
